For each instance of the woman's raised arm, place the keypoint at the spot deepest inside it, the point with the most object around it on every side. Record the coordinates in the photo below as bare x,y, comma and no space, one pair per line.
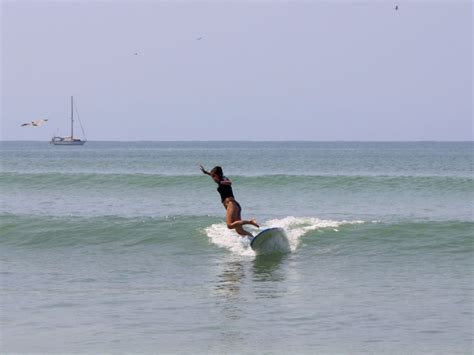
204,170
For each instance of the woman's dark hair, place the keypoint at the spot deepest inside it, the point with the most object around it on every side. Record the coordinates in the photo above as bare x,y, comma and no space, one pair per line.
217,170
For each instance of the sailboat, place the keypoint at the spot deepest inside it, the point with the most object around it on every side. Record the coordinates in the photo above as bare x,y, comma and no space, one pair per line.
69,140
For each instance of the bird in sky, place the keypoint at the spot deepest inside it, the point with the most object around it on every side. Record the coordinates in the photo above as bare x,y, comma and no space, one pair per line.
198,39
396,7
36,123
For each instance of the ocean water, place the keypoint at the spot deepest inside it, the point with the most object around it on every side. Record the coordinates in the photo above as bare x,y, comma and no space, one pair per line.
122,248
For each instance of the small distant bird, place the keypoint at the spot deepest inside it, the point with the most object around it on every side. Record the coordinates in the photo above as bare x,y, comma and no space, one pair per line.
135,53
198,39
36,123
396,7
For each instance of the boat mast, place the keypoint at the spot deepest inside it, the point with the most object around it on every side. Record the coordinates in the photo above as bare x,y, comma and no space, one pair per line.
72,119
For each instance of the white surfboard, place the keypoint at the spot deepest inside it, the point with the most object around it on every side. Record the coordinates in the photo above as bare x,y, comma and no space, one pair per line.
271,240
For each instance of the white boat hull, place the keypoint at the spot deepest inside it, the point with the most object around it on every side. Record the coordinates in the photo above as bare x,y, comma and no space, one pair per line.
68,142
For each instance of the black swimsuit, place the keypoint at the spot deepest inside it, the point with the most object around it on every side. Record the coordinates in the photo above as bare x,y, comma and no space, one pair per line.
225,190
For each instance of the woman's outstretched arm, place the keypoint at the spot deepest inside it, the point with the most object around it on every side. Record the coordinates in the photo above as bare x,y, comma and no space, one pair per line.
204,171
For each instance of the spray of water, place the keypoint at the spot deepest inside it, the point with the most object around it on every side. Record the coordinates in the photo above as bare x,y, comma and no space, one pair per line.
295,228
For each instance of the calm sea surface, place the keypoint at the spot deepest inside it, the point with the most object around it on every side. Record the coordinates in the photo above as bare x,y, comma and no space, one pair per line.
122,247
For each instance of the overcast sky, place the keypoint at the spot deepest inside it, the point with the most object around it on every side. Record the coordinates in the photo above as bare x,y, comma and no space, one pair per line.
266,70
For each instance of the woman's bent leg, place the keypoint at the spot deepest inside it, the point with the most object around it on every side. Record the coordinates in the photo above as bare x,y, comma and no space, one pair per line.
241,223
234,222
243,232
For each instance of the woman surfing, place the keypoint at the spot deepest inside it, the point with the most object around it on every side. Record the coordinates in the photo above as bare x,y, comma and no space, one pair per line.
233,209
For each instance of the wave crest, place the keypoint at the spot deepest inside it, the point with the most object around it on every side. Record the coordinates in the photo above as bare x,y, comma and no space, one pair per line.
295,228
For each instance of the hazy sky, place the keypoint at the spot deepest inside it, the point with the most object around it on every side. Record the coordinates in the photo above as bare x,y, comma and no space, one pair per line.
267,70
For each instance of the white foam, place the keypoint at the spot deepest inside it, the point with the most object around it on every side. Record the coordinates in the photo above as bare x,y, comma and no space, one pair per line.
295,228
223,237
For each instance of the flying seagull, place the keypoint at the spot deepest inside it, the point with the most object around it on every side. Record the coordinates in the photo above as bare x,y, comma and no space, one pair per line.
36,123
198,39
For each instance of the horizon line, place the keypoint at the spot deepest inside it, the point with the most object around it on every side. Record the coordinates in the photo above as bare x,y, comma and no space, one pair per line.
258,141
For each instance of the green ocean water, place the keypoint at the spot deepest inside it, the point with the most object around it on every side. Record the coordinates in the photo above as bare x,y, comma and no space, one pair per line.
122,247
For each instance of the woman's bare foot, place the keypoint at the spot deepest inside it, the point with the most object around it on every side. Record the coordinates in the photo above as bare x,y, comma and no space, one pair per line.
253,222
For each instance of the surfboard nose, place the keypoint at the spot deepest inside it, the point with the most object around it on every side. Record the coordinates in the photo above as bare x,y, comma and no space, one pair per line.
269,241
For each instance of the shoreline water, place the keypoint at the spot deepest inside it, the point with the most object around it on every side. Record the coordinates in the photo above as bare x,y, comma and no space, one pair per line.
122,247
